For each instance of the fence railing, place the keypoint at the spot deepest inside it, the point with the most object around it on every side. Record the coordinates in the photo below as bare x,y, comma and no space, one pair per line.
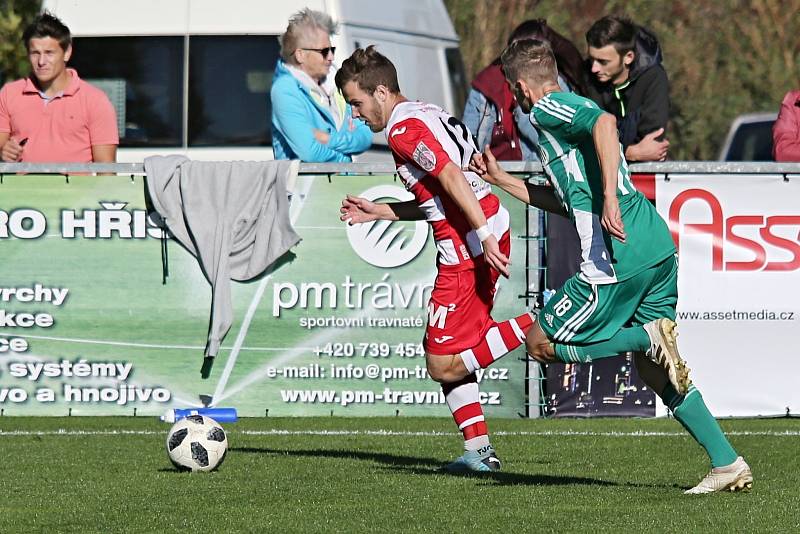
127,169
370,168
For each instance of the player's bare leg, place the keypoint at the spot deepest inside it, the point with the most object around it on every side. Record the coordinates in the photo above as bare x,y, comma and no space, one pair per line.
539,346
446,368
500,339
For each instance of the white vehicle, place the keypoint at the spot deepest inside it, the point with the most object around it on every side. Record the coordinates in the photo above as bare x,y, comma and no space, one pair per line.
193,76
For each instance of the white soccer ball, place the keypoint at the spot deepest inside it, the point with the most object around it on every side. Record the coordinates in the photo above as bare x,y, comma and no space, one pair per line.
196,443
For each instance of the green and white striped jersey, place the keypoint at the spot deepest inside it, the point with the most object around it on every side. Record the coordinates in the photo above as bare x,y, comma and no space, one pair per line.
566,147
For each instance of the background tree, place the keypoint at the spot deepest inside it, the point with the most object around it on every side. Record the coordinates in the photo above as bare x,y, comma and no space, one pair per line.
15,15
723,57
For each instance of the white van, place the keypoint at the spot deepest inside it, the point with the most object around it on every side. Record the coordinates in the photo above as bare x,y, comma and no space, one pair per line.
193,76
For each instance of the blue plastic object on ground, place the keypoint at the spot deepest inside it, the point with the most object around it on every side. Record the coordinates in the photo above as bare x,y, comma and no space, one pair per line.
220,415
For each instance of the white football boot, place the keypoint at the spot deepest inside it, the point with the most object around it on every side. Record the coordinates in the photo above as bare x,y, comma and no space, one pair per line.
734,477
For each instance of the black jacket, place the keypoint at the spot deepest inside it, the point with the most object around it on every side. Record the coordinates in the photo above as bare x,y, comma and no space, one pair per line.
643,102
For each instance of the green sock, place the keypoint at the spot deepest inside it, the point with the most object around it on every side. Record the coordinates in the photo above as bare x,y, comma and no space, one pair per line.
627,339
692,413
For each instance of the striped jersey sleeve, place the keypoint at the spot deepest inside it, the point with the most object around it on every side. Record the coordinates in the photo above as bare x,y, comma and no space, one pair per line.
413,141
570,120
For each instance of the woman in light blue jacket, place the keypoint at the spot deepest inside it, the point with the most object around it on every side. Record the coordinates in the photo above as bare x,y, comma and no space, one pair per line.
310,119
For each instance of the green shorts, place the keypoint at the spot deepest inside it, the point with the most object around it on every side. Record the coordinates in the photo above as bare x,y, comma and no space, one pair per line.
580,313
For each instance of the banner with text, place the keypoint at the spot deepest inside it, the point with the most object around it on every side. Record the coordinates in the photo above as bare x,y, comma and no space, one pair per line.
86,326
739,287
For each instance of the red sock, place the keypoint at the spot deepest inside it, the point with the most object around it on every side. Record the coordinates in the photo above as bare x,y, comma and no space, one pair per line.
500,339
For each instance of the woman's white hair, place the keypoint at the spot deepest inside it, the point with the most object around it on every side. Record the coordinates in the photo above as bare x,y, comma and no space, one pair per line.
301,24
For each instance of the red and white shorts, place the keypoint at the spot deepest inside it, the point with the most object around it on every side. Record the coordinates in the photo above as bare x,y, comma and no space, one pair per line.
459,311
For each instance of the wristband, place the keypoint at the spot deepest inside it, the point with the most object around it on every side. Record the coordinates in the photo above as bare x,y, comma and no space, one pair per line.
483,233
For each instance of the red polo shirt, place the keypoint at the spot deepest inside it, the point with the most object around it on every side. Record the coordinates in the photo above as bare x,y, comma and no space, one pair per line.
62,129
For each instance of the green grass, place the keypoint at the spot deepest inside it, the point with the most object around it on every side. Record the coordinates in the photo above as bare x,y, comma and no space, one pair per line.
553,480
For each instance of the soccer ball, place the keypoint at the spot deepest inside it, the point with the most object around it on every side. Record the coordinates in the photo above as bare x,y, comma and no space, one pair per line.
196,443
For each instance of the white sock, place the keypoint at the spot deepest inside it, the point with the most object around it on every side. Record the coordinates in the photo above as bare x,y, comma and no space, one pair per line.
476,443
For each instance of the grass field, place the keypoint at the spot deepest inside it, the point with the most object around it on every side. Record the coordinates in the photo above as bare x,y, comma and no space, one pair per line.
381,475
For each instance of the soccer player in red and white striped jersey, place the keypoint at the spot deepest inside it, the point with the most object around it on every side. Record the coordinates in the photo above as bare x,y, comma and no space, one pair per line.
470,229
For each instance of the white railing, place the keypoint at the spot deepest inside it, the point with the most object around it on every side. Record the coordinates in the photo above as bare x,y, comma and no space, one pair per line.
372,168
127,169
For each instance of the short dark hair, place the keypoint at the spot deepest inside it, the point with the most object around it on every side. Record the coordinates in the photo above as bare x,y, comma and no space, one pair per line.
529,59
47,25
612,30
530,29
568,59
369,69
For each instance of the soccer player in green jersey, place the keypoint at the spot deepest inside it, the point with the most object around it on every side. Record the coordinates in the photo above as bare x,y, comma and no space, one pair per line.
624,297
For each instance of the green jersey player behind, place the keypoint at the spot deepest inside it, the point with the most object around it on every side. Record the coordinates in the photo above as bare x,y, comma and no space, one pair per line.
624,297
565,122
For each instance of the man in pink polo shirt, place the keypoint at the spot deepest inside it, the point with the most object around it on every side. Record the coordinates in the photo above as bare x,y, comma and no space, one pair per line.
53,115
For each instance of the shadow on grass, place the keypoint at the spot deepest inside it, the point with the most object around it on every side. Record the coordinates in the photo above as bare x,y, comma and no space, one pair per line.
433,466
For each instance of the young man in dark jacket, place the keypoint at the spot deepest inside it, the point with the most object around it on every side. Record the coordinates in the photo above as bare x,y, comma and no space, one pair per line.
631,84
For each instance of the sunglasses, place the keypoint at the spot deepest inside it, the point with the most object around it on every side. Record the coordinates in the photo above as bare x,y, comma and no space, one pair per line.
323,51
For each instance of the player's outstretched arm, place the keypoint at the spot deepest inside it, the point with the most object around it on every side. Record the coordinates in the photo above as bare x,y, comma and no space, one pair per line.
455,184
544,198
606,143
486,166
357,210
538,196
407,211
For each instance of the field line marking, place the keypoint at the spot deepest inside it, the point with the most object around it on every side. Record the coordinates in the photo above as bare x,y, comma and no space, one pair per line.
295,210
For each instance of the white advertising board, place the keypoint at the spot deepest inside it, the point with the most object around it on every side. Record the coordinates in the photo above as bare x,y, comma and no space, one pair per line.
739,287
